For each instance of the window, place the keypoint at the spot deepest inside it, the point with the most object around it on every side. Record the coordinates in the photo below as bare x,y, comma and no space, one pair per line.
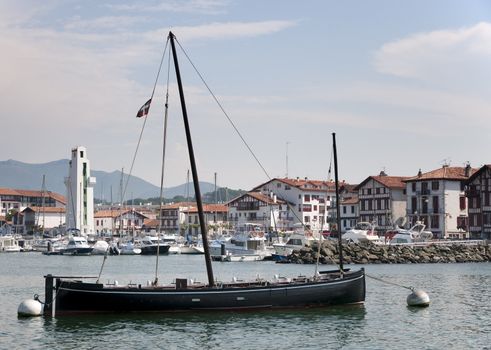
306,219
307,198
413,186
278,185
377,190
435,222
462,203
344,210
369,191
435,204
435,185
414,204
352,209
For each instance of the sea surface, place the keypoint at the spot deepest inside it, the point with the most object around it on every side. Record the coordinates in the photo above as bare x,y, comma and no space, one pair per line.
459,316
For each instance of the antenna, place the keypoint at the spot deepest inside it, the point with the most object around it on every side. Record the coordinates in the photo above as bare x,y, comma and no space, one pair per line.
286,174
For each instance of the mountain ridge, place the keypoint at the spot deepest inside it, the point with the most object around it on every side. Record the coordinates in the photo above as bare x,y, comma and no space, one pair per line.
20,175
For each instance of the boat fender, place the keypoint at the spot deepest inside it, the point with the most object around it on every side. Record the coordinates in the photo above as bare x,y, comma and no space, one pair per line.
30,308
418,297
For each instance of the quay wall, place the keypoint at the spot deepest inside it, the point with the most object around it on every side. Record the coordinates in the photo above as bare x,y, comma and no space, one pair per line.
369,253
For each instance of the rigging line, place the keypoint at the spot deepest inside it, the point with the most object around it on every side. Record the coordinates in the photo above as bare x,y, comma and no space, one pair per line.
224,112
164,142
235,127
144,123
393,283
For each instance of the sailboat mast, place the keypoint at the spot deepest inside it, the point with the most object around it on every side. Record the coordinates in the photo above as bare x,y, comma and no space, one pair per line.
194,171
338,204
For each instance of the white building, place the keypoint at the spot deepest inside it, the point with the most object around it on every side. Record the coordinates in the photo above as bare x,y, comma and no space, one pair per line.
349,213
118,222
215,216
437,199
309,200
258,208
80,193
46,218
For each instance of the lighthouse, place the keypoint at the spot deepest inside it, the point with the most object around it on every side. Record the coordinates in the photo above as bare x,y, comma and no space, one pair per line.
80,193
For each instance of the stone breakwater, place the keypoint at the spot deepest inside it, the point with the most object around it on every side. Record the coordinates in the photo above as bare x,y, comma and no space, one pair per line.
369,253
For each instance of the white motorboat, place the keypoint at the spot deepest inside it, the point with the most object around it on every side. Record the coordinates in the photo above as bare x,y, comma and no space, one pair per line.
77,246
362,232
129,249
249,239
295,241
8,244
100,248
416,233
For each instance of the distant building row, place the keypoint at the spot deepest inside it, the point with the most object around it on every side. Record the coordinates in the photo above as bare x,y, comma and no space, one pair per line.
453,202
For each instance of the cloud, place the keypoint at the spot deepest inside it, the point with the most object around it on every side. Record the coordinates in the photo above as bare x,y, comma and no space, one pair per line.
189,6
450,56
222,31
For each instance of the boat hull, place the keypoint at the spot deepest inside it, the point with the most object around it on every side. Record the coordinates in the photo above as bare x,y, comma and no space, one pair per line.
152,250
85,297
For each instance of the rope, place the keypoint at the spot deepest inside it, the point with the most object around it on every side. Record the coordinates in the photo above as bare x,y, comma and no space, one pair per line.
143,127
393,283
224,112
164,143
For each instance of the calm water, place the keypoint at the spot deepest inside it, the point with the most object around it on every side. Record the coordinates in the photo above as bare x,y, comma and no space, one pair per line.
458,318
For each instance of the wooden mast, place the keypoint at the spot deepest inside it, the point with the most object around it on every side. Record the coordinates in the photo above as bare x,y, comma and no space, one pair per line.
197,191
338,204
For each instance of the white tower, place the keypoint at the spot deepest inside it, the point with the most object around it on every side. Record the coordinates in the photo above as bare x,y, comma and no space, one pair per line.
80,193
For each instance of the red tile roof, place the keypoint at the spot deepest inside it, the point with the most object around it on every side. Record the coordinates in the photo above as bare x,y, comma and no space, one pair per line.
30,193
58,210
114,213
306,184
395,182
209,208
444,173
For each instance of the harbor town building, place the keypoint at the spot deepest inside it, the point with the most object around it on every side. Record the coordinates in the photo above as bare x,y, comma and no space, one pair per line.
382,200
478,193
437,199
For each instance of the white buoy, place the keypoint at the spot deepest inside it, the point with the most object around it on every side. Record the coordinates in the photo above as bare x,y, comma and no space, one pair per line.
418,298
29,308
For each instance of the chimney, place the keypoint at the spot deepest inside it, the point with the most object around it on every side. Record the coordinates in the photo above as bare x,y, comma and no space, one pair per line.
382,173
420,173
467,172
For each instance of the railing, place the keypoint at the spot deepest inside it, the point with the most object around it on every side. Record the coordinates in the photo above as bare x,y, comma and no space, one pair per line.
473,242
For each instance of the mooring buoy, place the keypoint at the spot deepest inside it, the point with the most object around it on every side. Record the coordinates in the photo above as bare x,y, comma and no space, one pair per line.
30,308
418,297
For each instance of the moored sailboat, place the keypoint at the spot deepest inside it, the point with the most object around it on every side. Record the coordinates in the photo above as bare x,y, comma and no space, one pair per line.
76,295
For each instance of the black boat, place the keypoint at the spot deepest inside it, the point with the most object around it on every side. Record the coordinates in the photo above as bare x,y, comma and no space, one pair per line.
77,295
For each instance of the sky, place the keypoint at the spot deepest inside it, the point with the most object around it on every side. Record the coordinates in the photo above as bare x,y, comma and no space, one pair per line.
405,85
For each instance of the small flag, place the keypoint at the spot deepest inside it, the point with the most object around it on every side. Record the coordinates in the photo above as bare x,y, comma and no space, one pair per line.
143,111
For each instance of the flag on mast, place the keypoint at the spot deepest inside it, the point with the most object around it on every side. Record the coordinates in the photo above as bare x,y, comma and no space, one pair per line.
143,111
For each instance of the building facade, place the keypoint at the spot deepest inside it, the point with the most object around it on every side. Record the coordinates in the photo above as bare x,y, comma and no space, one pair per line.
478,194
437,199
382,200
349,213
215,216
118,222
258,208
308,201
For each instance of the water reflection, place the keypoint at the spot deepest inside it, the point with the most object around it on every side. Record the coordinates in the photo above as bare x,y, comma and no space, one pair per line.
332,326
